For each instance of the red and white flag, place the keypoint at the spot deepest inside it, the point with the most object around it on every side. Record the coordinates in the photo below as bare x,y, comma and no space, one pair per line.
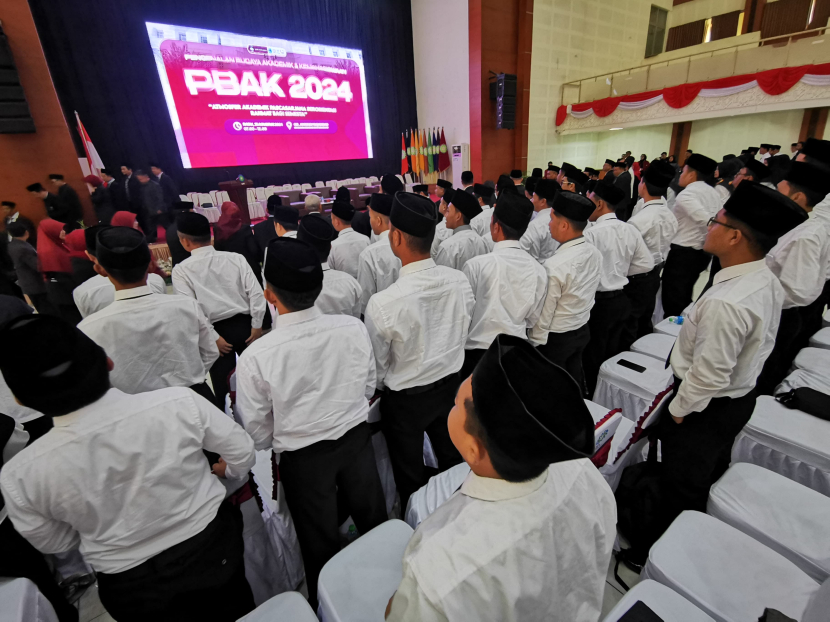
92,157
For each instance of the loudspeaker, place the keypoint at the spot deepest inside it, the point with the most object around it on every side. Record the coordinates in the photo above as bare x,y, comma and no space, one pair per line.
506,87
15,117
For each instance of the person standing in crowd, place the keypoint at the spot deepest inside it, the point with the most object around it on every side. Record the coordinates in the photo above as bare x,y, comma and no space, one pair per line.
68,197
266,231
441,186
154,340
508,284
56,209
537,240
441,231
347,246
180,554
97,293
341,292
233,236
530,187
517,177
169,188
694,206
130,191
101,199
726,174
622,179
29,277
9,214
228,291
377,266
303,390
153,210
174,245
467,181
607,171
314,205
422,189
752,170
57,269
529,534
418,327
728,334
573,180
464,243
485,195
82,267
109,180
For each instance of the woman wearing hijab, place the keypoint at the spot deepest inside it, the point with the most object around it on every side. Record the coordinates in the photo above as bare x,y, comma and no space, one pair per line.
231,235
101,199
82,267
128,219
725,173
56,265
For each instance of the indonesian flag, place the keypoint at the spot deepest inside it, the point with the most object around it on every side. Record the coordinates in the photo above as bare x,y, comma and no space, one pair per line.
404,165
92,157
444,157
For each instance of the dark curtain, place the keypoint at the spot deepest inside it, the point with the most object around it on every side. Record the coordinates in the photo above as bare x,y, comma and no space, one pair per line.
784,17
725,25
102,65
685,35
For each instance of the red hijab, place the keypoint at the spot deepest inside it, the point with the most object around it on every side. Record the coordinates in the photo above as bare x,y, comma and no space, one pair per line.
53,255
125,219
229,222
76,242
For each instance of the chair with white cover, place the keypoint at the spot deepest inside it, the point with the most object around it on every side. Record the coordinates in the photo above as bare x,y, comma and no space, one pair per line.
193,197
21,601
667,327
813,359
789,442
184,197
726,573
825,319
606,422
356,584
401,178
224,196
408,179
633,390
818,380
260,193
269,191
296,186
204,199
657,345
305,187
215,198
667,604
332,183
789,518
821,339
434,494
382,460
288,606
373,180
319,184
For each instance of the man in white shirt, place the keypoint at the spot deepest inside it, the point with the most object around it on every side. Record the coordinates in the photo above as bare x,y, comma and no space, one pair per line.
694,206
377,265
486,199
156,341
341,291
124,478
227,290
508,284
623,254
303,391
464,243
573,274
441,187
723,343
346,248
764,153
529,534
537,240
418,327
442,232
657,225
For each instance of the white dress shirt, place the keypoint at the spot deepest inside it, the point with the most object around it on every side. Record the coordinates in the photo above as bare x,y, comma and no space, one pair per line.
125,477
723,192
346,249
726,337
98,292
657,225
441,234
458,249
377,268
694,206
10,407
341,293
499,551
536,240
308,380
509,288
573,277
481,223
419,325
223,284
154,341
624,253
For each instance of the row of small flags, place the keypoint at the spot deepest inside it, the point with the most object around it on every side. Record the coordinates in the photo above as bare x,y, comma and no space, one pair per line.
424,152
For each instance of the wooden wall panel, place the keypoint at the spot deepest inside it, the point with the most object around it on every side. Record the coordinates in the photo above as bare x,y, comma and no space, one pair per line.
686,35
725,25
784,17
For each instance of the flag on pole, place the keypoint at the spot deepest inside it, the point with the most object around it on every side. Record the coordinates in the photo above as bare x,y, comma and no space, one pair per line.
415,149
409,146
444,157
404,163
429,155
92,157
424,151
436,149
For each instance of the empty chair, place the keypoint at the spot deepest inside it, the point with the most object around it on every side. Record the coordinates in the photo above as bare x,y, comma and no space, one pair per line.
401,178
656,345
193,197
374,180
296,187
324,192
667,327
305,187
782,514
821,339
813,359
269,191
225,196
290,196
205,200
184,197
606,422
288,606
332,183
724,572
357,583
408,179
319,184
214,197
667,604
260,194
632,381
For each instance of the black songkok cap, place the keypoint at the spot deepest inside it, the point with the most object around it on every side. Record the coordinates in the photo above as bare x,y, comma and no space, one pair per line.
122,248
184,206
35,188
286,215
293,265
415,215
574,206
660,174
610,194
701,164
577,176
619,164
817,149
344,211
191,223
449,193
443,183
316,231
56,177
11,204
752,149
530,184
522,421
514,211
764,209
758,170
568,165
51,366
516,174
504,183
382,203
555,169
343,194
465,203
391,184
547,189
273,201
611,162
537,172
485,192
766,146
91,237
809,176
420,188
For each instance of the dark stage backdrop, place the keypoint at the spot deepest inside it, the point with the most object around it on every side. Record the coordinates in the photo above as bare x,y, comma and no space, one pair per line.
102,65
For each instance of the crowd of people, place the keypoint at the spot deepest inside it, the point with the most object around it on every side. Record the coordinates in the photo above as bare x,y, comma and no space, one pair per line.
480,319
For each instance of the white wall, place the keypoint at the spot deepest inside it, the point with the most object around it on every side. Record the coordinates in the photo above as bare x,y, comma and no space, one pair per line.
718,137
442,65
591,149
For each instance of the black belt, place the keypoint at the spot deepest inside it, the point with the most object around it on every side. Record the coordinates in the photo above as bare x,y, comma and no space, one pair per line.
642,275
607,295
428,387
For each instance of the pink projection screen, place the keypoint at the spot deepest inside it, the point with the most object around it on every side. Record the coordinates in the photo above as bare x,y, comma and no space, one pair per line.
237,99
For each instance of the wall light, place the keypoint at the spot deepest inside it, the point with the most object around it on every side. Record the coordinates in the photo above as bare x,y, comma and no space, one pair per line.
614,129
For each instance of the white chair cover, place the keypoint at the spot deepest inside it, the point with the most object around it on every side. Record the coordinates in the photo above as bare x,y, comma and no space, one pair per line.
813,359
211,213
789,442
667,604
726,573
296,187
204,197
356,584
606,422
257,209
821,339
260,193
184,197
306,187
290,607
782,514
655,345
634,392
438,489
193,197
805,378
668,328
319,184
21,601
263,568
224,196
215,198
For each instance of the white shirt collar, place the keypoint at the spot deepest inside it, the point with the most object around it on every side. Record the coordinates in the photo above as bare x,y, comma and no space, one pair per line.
296,317
507,244
417,266
347,230
290,234
326,266
610,216
383,235
462,228
661,201
203,250
134,292
489,489
569,243
742,268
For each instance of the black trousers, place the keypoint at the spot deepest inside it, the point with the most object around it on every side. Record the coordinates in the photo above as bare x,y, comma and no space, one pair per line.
405,416
777,366
235,330
202,578
471,359
21,559
682,270
312,478
153,222
566,349
147,225
59,286
42,304
608,316
641,292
